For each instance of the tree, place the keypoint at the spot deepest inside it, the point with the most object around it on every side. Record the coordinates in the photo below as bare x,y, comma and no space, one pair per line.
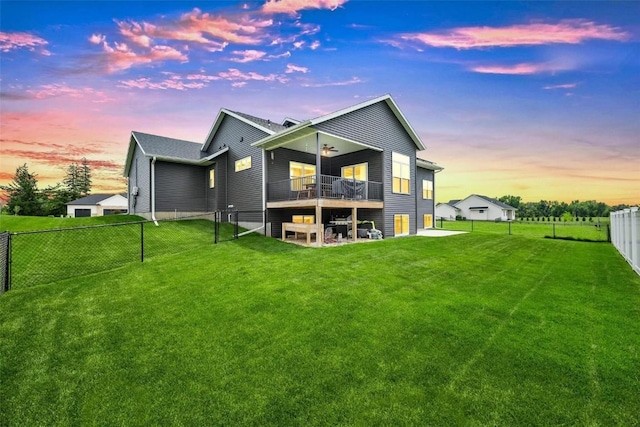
84,178
72,182
511,200
77,181
23,193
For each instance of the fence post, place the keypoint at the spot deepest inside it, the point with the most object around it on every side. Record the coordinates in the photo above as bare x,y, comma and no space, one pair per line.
554,230
6,263
235,226
216,226
635,246
142,242
509,228
471,225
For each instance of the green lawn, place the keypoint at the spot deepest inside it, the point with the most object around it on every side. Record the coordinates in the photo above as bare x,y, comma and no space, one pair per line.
590,231
473,329
29,223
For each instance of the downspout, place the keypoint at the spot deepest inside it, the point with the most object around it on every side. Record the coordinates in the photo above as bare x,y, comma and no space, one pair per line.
153,191
264,189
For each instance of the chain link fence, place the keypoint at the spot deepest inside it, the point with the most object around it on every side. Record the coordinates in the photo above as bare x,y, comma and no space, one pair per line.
580,231
37,257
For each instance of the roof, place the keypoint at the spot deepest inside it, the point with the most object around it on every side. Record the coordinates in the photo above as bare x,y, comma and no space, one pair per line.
265,123
302,128
171,149
161,146
495,202
454,202
426,164
92,199
487,199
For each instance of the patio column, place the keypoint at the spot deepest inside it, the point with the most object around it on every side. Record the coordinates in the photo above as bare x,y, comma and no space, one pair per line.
319,226
318,166
354,223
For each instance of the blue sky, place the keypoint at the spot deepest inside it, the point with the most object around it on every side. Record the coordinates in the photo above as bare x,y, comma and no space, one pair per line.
538,99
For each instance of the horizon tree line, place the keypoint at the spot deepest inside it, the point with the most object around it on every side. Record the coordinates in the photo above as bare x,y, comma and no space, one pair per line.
25,198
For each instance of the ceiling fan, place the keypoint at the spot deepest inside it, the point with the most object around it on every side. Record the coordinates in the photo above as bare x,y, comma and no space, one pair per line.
326,149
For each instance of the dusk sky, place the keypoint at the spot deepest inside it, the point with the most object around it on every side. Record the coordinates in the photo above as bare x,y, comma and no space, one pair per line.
537,99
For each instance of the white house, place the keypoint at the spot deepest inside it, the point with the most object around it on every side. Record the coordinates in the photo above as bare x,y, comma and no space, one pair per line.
485,208
97,205
447,211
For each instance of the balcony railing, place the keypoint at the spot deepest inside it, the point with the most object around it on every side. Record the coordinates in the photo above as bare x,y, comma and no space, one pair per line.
331,187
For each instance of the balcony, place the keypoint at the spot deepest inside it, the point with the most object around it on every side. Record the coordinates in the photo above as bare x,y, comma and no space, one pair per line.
332,191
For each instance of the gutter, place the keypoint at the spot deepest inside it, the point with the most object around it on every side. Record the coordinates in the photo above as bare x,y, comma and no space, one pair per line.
153,191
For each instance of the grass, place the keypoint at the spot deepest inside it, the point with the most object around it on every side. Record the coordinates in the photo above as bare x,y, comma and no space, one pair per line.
41,257
474,329
584,231
30,223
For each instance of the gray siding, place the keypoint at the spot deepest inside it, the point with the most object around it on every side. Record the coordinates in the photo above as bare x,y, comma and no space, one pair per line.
376,125
243,189
424,206
180,187
217,196
278,168
140,176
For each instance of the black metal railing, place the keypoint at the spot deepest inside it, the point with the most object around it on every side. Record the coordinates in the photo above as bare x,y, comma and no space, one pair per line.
331,187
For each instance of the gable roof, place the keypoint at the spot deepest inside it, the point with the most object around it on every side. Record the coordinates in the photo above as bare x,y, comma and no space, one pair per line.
489,200
302,128
92,199
264,125
170,149
161,146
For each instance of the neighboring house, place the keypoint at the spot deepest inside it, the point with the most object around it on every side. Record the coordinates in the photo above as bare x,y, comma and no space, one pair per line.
98,205
447,211
359,162
485,208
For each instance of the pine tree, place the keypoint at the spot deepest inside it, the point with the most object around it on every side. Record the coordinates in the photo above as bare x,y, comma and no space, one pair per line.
24,197
71,182
84,178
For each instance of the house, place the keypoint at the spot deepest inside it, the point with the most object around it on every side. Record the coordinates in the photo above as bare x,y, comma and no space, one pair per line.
98,205
447,211
485,208
358,163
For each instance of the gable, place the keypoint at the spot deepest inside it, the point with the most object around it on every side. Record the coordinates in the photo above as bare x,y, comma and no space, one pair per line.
375,125
265,127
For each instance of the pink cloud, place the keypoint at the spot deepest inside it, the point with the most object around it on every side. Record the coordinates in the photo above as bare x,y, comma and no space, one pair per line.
293,6
248,55
57,89
519,69
12,41
246,31
121,57
146,83
296,69
571,31
236,76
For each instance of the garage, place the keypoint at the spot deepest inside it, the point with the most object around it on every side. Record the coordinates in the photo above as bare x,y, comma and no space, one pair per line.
81,212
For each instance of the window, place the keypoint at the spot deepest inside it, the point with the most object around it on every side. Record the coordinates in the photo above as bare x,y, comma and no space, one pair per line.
243,164
212,178
427,189
359,172
401,225
428,220
303,219
401,165
301,175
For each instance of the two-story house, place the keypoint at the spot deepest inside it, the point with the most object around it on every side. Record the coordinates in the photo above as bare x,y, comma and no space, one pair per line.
358,163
